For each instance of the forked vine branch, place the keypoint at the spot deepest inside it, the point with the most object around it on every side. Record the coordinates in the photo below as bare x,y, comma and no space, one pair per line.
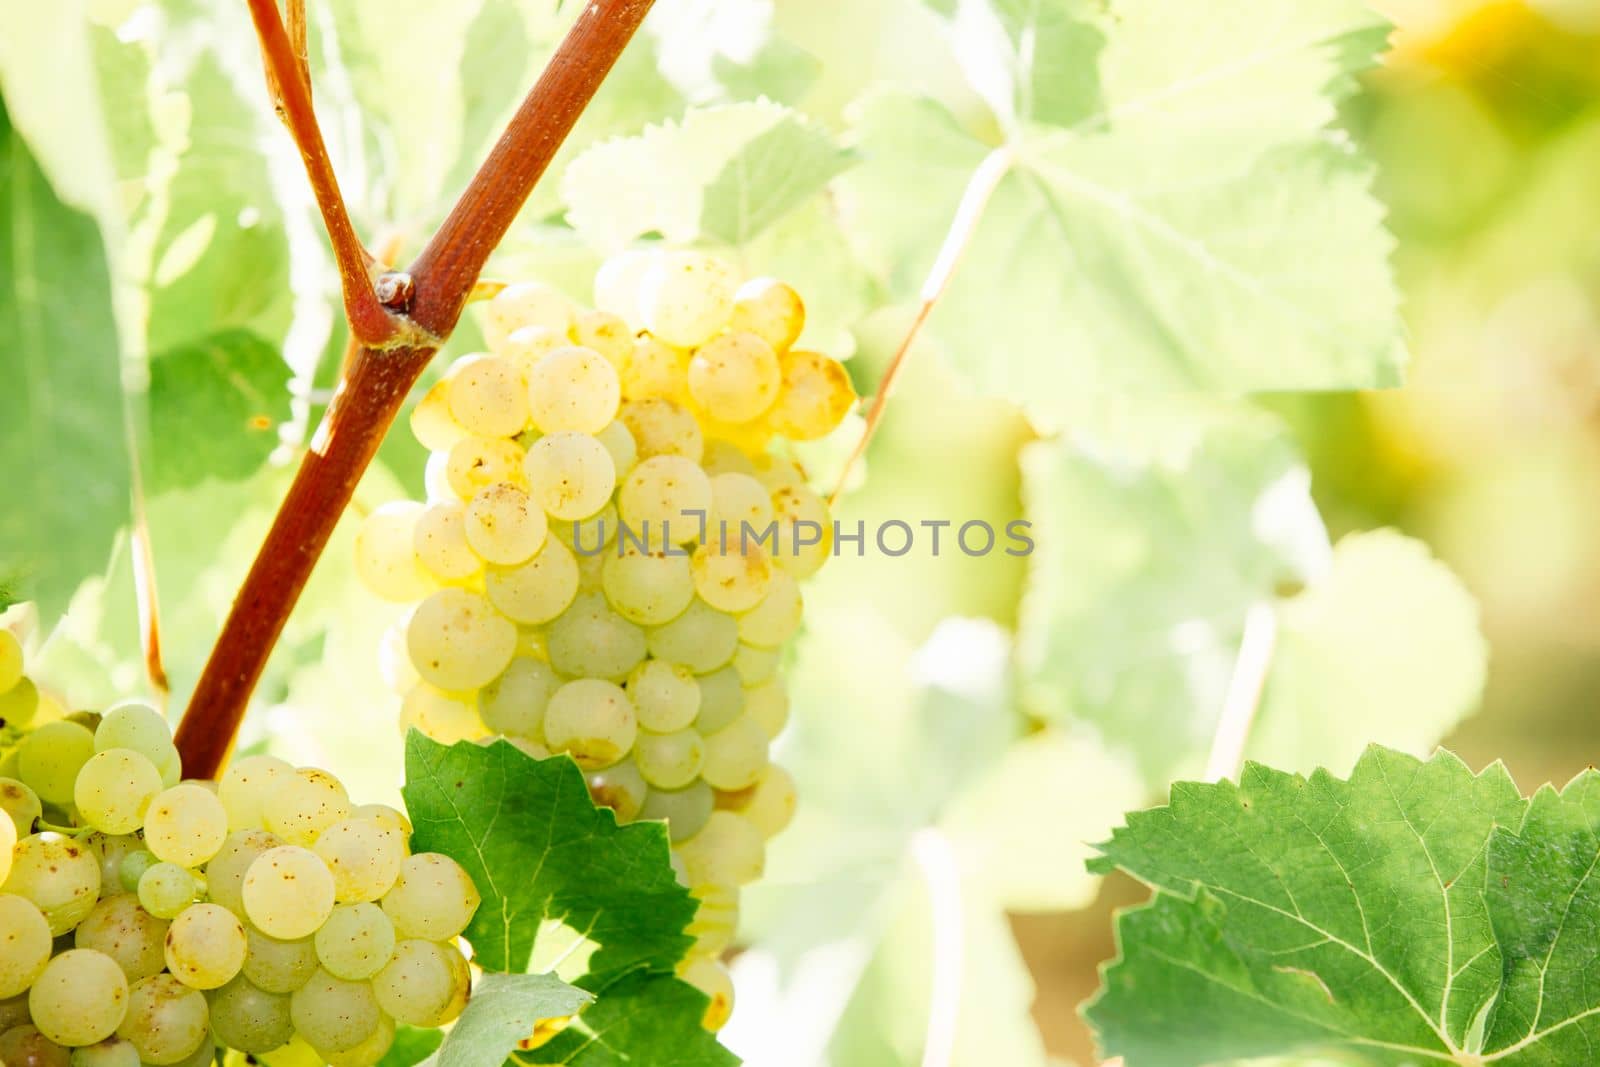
396,343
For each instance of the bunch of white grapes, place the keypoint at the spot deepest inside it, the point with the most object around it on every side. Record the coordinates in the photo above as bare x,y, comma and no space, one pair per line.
608,561
149,920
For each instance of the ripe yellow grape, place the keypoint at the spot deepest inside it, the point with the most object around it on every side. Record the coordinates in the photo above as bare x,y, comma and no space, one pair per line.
514,703
24,945
48,759
664,695
225,873
536,591
444,716
288,893
728,850
662,427
503,525
654,368
59,875
114,790
777,616
685,298
805,530
618,282
474,463
735,755
364,857
669,760
528,345
248,785
206,946
570,474
575,389
591,720
123,930
618,440
488,396
771,310
735,377
619,787
722,699
590,640
768,704
701,639
458,641
10,659
433,898
816,396
712,979
431,421
731,578
648,588
665,496
79,999
527,304
770,804
605,333
185,825
385,556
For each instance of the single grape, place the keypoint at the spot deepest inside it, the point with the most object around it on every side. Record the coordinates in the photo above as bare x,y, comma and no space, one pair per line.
665,695
433,898
805,530
735,377
771,310
364,857
385,556
728,850
80,998
123,930
741,510
662,427
671,760
248,785
573,389
647,587
735,755
166,1020
722,699
529,344
592,720
777,617
446,717
731,578
527,304
756,665
685,298
619,787
279,966
114,789
356,941
665,500
25,1046
514,703
488,396
712,979
206,946
458,641
288,892
439,542
420,985
475,463
24,944
570,474
503,525
538,590
605,333
815,397
618,440
333,1014
136,726
19,704
112,1052
701,639
21,804
431,421
770,803
589,640
132,868
185,825
165,889
684,810
371,1051
48,759
768,705
249,1019
59,874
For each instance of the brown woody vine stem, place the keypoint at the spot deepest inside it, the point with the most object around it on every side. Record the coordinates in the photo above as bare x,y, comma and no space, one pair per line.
390,360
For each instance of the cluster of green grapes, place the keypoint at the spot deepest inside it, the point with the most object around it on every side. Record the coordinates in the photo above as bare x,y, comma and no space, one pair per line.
149,920
608,561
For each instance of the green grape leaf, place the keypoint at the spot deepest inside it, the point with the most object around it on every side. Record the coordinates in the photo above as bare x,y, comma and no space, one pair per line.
722,172
1544,905
539,849
63,438
1158,526
412,1045
217,403
637,1017
1030,60
1345,671
1300,913
1147,214
503,1011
